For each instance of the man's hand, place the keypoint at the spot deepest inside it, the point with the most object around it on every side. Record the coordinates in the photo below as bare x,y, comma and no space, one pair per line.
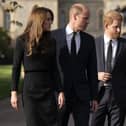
103,76
94,105
61,100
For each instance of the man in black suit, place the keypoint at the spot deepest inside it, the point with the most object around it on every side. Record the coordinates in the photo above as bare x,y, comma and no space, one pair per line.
109,47
77,58
119,87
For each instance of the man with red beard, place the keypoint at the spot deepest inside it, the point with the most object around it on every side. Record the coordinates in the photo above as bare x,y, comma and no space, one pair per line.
109,48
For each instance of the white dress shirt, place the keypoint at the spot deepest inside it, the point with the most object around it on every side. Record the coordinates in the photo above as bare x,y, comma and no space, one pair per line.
114,48
69,35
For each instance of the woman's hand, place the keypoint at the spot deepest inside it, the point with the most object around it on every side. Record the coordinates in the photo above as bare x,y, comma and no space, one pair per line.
14,100
61,100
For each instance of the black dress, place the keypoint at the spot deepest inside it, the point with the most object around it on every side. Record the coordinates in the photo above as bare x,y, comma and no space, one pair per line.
40,81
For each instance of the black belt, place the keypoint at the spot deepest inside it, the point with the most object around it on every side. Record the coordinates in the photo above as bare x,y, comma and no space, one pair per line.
33,71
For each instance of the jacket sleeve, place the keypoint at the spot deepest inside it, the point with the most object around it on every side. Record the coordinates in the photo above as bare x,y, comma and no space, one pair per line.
57,74
17,61
92,71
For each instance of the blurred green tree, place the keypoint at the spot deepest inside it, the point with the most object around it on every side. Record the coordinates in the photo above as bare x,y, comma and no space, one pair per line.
6,52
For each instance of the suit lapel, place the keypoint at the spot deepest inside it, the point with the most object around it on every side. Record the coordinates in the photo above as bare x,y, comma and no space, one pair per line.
81,42
83,45
64,41
102,52
63,37
119,49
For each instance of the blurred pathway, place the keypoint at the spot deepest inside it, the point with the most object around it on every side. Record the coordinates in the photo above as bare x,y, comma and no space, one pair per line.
9,117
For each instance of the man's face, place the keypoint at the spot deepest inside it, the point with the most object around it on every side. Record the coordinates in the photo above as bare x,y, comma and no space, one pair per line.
82,20
114,29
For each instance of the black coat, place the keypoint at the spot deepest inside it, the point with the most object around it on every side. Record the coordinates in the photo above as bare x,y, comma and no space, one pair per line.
118,68
79,72
119,78
40,80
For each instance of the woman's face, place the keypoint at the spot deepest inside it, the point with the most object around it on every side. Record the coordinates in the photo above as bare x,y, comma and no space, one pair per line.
47,22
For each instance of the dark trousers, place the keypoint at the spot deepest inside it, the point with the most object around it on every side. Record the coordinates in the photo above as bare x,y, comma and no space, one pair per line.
107,108
79,110
123,116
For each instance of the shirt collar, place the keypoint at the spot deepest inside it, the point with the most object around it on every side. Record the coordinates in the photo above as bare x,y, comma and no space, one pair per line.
107,39
69,30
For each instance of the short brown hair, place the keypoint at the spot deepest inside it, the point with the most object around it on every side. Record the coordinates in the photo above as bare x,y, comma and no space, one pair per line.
77,9
110,16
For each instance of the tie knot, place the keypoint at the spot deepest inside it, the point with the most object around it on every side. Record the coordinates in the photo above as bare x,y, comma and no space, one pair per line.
110,41
74,33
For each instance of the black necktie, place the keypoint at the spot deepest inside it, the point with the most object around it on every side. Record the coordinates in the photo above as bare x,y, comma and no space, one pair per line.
109,58
73,44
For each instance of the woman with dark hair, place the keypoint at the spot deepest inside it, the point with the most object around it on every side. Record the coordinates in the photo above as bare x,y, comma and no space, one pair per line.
50,15
36,50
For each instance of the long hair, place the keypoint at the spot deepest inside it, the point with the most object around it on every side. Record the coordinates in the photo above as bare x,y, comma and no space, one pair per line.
34,29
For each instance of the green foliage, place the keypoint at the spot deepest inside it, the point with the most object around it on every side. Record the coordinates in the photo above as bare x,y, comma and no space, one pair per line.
6,52
5,81
5,40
